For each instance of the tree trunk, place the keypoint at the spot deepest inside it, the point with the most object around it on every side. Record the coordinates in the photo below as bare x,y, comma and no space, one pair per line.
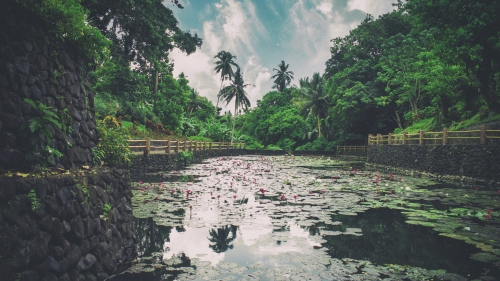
155,88
234,121
217,106
319,126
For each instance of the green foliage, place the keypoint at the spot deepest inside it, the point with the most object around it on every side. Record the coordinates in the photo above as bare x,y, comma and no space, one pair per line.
40,150
67,20
35,202
113,142
199,138
273,147
106,209
85,191
186,156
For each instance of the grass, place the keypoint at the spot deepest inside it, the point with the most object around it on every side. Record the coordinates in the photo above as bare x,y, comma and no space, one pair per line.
428,124
476,120
128,124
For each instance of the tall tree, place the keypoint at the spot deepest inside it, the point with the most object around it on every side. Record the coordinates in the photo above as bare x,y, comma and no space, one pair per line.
283,78
224,66
236,91
193,101
469,31
314,98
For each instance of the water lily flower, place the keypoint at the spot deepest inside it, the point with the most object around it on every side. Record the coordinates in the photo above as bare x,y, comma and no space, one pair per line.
489,211
148,187
234,196
142,189
487,216
283,198
141,182
173,191
390,191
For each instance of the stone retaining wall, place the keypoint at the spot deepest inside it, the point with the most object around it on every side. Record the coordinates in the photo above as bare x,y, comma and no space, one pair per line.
36,66
57,227
153,163
481,162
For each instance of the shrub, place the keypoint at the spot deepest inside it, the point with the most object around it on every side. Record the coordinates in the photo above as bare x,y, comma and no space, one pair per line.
113,142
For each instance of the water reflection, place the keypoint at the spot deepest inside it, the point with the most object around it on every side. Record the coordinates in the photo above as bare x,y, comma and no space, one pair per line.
150,237
222,237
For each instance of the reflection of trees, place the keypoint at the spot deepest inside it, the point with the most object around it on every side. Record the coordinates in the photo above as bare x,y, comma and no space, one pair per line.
150,237
222,237
387,239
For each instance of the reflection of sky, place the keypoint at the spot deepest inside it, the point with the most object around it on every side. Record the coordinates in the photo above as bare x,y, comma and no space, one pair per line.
194,243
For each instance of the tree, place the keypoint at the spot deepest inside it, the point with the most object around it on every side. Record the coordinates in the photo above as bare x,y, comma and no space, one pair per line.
283,78
469,31
193,101
314,99
224,67
236,91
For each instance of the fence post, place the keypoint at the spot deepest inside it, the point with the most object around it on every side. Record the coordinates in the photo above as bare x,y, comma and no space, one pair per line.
405,137
210,145
228,145
445,136
195,145
379,136
422,134
482,132
177,146
369,140
168,147
148,146
390,139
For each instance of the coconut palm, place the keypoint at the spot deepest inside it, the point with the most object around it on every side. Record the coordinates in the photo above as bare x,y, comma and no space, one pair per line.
314,99
236,90
283,78
224,67
193,103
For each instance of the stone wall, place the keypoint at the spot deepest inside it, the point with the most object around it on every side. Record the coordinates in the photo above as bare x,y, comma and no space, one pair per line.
57,227
471,161
153,163
33,66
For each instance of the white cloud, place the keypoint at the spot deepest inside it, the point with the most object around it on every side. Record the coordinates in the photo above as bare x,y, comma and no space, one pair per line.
236,29
374,8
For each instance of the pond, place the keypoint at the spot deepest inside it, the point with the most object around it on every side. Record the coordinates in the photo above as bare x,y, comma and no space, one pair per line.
310,218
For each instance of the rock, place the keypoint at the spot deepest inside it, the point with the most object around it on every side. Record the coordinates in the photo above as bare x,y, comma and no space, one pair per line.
10,121
53,264
64,277
22,64
74,255
57,252
26,225
36,94
77,228
87,262
28,275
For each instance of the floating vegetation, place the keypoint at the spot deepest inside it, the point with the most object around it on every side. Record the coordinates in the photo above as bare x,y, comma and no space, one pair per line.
310,218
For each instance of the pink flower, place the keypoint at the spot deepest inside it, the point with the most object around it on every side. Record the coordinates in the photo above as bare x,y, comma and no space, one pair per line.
295,197
283,198
218,196
234,196
148,186
390,191
141,182
173,191
489,211
488,216
142,189
323,191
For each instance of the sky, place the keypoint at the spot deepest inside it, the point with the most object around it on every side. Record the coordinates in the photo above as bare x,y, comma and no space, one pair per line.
263,33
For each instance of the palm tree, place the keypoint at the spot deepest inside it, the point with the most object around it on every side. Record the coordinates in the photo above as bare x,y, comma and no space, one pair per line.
224,66
314,99
283,77
236,91
193,101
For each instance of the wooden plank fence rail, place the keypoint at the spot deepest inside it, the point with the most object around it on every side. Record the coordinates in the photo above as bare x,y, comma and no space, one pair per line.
169,146
481,136
351,148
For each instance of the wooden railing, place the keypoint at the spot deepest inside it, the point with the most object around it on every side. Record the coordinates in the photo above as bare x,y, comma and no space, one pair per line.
351,148
169,146
481,136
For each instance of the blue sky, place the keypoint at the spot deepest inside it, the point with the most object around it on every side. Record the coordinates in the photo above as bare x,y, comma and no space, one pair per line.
262,33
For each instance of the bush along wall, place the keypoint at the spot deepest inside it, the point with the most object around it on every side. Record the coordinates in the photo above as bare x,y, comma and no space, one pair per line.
71,227
140,166
46,106
463,162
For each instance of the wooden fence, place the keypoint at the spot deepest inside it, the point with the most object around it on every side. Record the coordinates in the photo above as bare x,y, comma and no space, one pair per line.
481,136
351,148
169,146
